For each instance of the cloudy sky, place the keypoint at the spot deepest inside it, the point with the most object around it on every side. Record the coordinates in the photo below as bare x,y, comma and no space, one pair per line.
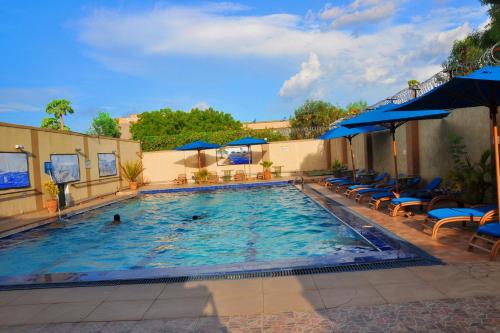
254,59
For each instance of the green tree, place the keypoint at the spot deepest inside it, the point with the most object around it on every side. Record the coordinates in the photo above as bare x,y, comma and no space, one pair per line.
356,107
52,123
167,122
58,108
465,54
312,118
104,125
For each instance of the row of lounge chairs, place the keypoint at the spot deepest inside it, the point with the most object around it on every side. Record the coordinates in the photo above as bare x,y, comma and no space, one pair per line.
382,191
212,178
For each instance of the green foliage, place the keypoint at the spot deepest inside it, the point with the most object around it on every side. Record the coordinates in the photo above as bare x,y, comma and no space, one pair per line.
201,176
52,123
356,107
58,108
413,83
167,122
132,170
164,142
104,125
314,115
266,165
474,180
338,168
466,53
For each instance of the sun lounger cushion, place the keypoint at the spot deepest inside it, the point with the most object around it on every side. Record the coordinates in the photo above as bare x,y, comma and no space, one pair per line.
442,213
398,201
491,229
381,195
372,190
353,187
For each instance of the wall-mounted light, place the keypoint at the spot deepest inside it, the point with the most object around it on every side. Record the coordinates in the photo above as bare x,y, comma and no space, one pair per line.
20,147
78,150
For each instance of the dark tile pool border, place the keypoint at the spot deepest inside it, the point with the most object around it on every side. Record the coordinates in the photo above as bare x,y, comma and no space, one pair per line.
216,187
393,252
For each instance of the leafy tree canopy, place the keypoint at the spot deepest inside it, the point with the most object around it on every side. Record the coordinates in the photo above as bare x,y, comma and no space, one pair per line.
356,107
466,53
52,123
313,114
58,108
167,122
104,125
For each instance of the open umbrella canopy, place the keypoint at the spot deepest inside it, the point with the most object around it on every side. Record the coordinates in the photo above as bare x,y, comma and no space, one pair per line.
384,115
344,132
198,145
248,141
480,88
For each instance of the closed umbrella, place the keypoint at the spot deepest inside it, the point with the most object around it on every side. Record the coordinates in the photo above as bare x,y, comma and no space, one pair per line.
199,146
248,141
480,88
391,120
349,134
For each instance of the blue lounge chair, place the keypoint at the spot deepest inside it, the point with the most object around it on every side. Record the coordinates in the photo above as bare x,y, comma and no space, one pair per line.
367,192
332,181
426,197
378,181
437,218
489,237
428,191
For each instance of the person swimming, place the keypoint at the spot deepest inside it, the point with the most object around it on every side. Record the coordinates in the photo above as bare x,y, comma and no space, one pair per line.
116,219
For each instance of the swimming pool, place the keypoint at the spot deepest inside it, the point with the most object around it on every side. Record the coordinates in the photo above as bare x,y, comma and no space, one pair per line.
233,230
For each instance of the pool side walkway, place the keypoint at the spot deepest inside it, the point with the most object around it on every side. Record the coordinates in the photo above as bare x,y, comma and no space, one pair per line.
459,297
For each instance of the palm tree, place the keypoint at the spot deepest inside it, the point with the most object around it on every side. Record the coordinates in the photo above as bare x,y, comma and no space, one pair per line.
59,108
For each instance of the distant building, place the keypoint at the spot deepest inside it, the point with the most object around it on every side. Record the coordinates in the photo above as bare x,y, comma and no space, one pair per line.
270,124
124,124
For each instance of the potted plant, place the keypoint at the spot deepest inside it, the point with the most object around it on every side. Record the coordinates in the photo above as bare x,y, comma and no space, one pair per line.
338,168
131,171
52,190
201,176
266,165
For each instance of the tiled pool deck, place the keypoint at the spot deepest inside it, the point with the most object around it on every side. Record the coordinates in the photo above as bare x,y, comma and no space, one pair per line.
461,296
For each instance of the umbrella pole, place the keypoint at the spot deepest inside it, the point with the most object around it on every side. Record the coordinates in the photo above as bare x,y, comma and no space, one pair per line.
395,152
352,159
199,160
249,161
493,113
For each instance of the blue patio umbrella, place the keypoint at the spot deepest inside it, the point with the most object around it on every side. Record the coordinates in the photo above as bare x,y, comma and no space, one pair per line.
391,120
199,146
248,141
480,88
349,134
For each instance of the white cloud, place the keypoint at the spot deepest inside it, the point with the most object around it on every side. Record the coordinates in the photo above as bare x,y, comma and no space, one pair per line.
359,12
368,65
201,105
310,71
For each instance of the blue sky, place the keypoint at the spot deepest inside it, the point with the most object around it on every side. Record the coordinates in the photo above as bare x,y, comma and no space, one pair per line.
253,59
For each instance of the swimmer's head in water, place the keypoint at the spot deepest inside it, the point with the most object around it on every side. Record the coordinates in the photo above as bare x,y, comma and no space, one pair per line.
195,217
116,218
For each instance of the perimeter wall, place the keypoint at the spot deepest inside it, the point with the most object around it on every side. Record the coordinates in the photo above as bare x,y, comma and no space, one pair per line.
422,146
39,144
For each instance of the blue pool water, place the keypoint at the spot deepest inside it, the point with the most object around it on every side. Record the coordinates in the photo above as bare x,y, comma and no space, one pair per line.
262,224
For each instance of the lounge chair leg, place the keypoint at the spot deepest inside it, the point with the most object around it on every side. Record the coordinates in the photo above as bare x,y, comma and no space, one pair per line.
495,250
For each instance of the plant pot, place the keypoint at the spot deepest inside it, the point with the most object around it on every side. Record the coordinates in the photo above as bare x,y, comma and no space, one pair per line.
52,206
132,185
267,175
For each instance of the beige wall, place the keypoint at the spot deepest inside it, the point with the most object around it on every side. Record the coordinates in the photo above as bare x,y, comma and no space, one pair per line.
165,166
40,144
